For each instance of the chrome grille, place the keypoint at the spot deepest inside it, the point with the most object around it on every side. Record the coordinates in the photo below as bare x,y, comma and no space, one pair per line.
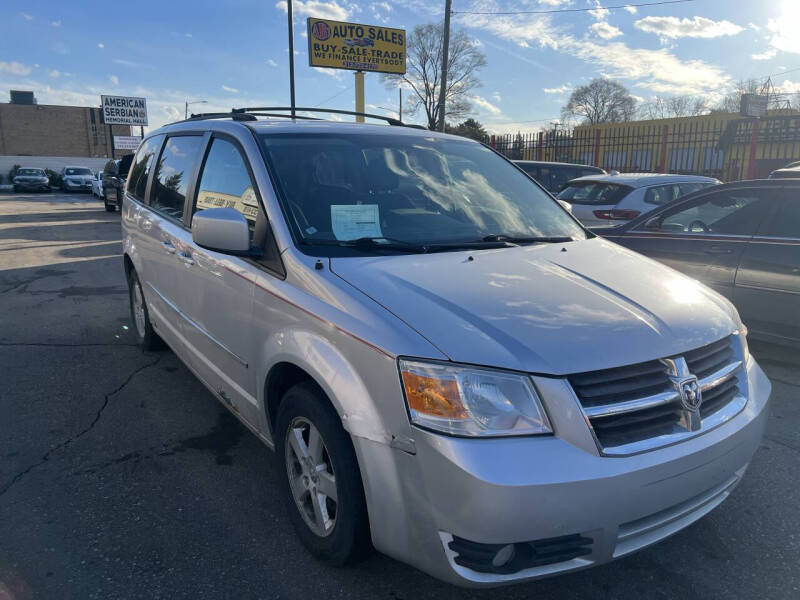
641,407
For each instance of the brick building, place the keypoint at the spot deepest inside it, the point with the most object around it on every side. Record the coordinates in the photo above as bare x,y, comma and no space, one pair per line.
30,129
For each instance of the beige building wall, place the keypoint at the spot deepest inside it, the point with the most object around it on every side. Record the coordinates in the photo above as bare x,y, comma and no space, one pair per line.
47,130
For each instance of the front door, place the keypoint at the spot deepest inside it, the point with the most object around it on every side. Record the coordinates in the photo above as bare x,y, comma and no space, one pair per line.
703,237
217,291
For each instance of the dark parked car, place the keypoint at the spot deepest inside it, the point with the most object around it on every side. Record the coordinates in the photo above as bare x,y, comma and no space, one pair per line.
115,173
554,176
790,171
742,239
28,178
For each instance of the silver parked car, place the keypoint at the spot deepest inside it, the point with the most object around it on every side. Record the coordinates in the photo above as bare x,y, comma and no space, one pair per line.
448,366
75,179
610,200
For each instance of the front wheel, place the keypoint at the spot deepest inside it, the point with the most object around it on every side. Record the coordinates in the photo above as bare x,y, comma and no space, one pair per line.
146,336
320,479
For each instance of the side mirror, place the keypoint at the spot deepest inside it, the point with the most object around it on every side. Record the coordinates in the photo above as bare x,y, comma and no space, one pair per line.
221,229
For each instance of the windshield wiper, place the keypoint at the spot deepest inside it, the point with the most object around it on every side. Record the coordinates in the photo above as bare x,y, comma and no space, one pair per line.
497,237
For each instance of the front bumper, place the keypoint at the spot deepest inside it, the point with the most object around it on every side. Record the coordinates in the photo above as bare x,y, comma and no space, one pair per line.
517,490
77,186
32,185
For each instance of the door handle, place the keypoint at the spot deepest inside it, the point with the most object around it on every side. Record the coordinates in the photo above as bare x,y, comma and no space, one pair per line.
718,250
168,247
186,258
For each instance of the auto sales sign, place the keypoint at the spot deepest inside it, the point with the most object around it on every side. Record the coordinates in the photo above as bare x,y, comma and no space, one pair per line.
339,45
124,110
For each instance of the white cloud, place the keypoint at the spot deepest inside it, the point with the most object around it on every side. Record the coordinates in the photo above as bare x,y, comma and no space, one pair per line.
113,79
605,31
562,89
631,9
696,27
599,13
230,90
54,73
26,16
497,97
754,27
523,30
335,73
56,23
188,35
766,55
789,87
127,63
486,105
658,70
380,11
783,34
317,8
271,63
15,68
101,45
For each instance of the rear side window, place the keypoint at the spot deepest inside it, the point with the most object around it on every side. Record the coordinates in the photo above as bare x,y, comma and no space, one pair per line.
732,212
785,222
225,182
597,193
140,169
662,194
172,175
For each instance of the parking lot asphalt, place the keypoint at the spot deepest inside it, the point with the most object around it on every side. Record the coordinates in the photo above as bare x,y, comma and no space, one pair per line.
122,477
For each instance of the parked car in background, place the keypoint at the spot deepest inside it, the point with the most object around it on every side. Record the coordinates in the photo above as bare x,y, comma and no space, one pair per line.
554,176
741,239
446,363
76,179
97,184
115,174
31,178
605,200
790,171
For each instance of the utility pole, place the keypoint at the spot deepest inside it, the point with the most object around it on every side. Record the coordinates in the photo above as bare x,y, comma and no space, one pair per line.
291,54
445,52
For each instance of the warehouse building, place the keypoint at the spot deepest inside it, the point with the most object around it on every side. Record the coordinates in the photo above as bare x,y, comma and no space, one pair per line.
31,129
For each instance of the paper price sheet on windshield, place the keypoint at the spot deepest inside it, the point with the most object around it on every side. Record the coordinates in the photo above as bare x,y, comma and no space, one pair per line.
353,221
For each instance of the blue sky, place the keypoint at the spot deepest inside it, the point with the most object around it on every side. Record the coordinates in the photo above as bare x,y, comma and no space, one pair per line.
235,53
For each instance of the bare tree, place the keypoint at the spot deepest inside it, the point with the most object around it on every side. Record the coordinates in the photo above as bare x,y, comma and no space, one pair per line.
731,103
423,75
674,106
601,101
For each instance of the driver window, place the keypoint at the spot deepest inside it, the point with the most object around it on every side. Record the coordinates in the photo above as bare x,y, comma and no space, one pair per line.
732,212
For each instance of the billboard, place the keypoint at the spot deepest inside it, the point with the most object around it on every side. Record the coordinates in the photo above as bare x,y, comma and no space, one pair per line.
126,142
339,45
124,110
754,105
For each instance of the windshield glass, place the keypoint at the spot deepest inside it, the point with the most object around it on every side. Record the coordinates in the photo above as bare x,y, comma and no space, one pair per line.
30,172
407,189
78,171
594,192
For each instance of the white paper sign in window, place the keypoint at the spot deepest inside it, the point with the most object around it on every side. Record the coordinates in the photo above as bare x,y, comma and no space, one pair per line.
353,221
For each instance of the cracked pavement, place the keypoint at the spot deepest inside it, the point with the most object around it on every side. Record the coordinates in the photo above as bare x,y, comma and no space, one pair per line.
121,477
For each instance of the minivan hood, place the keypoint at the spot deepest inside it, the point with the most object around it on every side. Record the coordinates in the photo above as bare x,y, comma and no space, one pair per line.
546,308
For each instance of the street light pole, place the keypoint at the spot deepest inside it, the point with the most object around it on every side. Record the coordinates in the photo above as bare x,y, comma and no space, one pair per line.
186,106
291,54
445,52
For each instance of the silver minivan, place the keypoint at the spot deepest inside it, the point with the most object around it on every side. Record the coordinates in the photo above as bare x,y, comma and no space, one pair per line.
449,367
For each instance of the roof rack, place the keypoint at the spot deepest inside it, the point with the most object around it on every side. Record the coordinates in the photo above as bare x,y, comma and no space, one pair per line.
250,114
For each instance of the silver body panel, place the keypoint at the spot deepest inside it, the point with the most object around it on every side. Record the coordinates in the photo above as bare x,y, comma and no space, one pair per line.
535,309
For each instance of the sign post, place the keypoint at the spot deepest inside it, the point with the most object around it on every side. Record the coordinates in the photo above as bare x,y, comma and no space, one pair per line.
356,47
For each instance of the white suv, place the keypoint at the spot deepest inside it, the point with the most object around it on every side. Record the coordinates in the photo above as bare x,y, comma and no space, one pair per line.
609,200
448,365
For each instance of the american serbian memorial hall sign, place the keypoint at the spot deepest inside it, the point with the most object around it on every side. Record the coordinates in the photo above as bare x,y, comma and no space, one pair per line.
339,45
124,110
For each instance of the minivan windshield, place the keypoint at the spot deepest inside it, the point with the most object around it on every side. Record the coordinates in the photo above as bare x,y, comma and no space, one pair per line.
408,192
594,192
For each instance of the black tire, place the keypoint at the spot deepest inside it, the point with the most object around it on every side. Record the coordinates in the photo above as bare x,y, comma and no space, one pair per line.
147,338
349,538
16,189
109,207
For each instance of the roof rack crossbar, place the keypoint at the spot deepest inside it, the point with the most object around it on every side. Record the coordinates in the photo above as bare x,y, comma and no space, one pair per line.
335,111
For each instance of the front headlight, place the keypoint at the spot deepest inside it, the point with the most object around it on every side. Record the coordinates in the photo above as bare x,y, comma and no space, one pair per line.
470,401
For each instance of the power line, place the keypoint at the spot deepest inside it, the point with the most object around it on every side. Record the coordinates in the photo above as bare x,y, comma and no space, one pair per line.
336,95
566,10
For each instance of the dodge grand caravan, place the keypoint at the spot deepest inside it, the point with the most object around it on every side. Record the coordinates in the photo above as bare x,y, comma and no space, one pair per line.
449,367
